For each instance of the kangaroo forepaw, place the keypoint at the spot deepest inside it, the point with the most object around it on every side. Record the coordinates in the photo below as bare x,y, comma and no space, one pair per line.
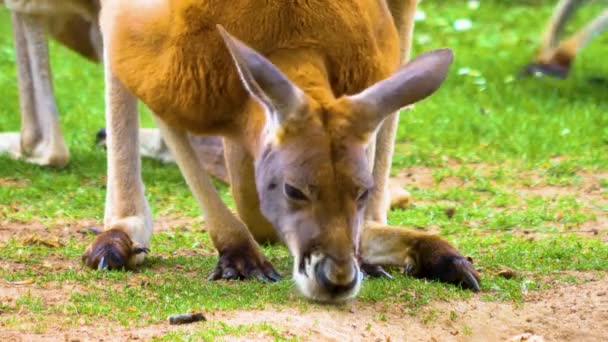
113,250
438,259
243,263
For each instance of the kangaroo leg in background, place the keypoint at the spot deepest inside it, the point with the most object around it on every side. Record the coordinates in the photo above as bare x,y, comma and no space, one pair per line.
242,184
210,150
561,15
40,141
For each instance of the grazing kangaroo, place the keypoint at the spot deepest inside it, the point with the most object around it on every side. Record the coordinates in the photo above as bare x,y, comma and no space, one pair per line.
300,97
554,57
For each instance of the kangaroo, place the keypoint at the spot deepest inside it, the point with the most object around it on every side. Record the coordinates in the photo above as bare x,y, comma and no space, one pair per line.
305,105
554,57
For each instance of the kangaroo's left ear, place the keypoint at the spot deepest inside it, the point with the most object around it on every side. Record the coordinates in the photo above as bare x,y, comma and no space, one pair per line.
413,82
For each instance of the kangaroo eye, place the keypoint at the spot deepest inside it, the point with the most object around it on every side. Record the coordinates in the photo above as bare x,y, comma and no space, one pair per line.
363,197
294,193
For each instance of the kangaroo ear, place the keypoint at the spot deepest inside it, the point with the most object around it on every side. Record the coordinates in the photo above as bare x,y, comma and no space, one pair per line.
413,82
264,81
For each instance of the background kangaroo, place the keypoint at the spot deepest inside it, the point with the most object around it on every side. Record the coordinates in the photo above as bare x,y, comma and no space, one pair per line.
554,56
299,119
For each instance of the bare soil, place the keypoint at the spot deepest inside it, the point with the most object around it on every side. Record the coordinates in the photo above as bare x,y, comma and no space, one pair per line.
588,192
567,312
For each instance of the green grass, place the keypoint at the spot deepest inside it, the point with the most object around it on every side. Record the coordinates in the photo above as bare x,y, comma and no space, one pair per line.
534,132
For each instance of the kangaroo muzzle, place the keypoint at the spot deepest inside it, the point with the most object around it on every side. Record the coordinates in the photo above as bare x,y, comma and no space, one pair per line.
337,279
322,278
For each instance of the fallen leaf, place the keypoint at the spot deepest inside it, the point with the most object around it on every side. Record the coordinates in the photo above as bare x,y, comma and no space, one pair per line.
507,273
33,240
21,282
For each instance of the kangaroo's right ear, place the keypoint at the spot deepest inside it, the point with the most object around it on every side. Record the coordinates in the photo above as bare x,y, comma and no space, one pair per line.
264,81
413,82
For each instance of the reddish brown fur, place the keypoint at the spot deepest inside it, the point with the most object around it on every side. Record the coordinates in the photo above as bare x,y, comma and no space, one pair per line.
159,54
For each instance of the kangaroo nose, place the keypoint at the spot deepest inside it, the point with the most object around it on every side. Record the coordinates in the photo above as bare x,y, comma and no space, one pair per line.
337,278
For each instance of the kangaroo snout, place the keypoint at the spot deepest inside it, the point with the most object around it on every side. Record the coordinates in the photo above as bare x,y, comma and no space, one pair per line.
337,278
327,279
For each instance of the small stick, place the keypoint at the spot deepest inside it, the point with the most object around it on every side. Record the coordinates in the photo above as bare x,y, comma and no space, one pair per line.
186,318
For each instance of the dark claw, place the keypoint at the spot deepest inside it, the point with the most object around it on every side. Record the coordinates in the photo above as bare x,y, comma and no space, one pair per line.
470,281
216,274
274,275
259,275
375,271
230,273
139,250
102,264
243,263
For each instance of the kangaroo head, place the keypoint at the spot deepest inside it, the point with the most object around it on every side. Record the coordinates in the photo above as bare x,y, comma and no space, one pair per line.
312,174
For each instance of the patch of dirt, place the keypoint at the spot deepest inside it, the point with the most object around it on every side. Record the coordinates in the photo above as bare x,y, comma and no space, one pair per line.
63,229
415,177
589,193
566,312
